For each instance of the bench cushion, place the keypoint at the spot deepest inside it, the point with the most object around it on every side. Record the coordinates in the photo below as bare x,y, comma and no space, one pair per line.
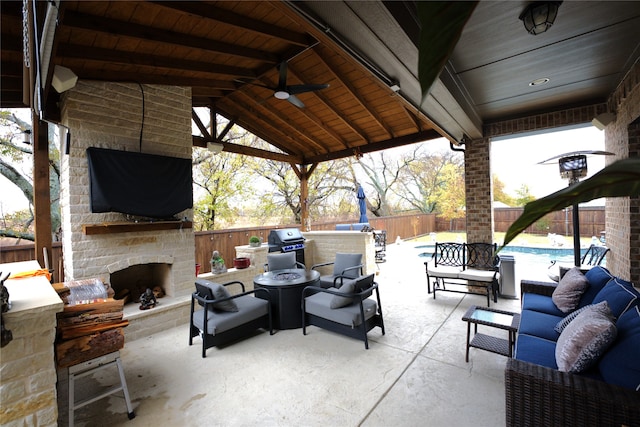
478,275
536,350
320,305
445,271
619,365
539,324
620,294
541,303
598,277
249,308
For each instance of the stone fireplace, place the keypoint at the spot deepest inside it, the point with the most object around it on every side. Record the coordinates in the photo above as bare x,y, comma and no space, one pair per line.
149,119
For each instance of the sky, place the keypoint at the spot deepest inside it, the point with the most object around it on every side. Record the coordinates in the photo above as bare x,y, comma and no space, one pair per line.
514,161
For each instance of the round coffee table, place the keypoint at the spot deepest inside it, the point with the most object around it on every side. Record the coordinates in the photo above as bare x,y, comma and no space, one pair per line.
285,287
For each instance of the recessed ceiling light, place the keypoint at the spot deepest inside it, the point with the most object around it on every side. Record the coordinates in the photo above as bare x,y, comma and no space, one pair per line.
538,82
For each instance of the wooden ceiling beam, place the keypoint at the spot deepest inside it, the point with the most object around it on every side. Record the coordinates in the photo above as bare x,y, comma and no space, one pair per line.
363,102
203,129
230,18
154,61
208,87
129,29
376,146
261,126
199,141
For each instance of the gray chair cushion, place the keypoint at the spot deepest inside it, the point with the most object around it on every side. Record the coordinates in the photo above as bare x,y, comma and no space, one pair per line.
217,291
281,261
320,305
344,261
249,308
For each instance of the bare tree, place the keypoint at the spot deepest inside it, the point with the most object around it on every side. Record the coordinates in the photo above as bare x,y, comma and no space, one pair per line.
15,153
423,178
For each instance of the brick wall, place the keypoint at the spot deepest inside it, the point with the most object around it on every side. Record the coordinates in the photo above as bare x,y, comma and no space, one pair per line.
622,137
110,115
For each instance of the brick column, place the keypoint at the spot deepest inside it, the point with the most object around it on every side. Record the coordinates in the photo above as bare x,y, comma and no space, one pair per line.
478,191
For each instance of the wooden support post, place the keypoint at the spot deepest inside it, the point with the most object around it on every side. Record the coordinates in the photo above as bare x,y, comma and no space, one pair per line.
303,175
41,190
304,199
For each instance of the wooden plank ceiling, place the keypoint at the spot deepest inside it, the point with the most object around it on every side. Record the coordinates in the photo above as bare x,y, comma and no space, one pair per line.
227,52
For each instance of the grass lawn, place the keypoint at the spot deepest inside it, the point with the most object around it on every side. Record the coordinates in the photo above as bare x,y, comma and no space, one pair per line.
522,239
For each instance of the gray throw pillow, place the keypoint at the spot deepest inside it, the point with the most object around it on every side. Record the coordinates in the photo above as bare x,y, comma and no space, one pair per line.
602,307
584,341
337,301
219,292
567,294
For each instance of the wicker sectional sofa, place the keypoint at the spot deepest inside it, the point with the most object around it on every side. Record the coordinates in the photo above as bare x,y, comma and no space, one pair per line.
605,394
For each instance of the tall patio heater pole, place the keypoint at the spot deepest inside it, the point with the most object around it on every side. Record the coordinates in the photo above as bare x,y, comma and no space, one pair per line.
574,167
576,235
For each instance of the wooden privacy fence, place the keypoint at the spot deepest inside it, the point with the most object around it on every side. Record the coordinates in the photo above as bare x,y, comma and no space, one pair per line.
403,226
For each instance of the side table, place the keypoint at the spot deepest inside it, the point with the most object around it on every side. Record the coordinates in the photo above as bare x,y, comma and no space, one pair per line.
495,318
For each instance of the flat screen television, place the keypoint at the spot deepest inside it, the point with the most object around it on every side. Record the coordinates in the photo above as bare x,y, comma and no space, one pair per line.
139,184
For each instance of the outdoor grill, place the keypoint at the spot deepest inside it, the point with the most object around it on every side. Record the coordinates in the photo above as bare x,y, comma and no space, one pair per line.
287,240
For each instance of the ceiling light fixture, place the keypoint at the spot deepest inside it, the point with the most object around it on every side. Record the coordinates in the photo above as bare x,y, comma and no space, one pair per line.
539,16
540,82
215,147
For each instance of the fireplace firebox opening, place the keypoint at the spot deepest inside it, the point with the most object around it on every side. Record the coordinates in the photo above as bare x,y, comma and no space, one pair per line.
131,282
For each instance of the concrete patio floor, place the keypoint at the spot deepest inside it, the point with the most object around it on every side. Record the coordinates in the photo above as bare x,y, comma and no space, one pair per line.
415,375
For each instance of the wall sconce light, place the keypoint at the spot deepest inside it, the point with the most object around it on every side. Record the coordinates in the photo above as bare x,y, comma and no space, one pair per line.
215,147
602,120
539,16
63,79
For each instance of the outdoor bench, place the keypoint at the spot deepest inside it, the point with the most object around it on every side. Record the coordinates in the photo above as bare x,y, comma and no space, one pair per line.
466,264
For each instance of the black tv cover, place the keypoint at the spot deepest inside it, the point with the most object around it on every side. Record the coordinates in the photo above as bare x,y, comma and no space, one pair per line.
139,184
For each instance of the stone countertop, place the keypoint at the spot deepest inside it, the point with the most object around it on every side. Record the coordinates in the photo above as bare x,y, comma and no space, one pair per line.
29,293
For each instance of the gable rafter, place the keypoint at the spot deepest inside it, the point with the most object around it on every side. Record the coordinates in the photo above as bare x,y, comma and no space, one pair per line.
227,17
261,125
152,61
352,90
143,32
292,129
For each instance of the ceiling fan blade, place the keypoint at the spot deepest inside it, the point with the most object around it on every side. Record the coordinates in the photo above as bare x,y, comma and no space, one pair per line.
293,89
295,101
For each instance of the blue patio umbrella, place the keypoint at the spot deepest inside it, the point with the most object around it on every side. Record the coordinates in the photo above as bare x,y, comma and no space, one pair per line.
362,204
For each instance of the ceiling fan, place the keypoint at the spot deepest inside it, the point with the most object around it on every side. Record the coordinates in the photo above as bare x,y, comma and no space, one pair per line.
289,92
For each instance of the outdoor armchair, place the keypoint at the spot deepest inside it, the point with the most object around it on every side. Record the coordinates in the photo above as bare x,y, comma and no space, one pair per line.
224,317
348,310
345,265
282,261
